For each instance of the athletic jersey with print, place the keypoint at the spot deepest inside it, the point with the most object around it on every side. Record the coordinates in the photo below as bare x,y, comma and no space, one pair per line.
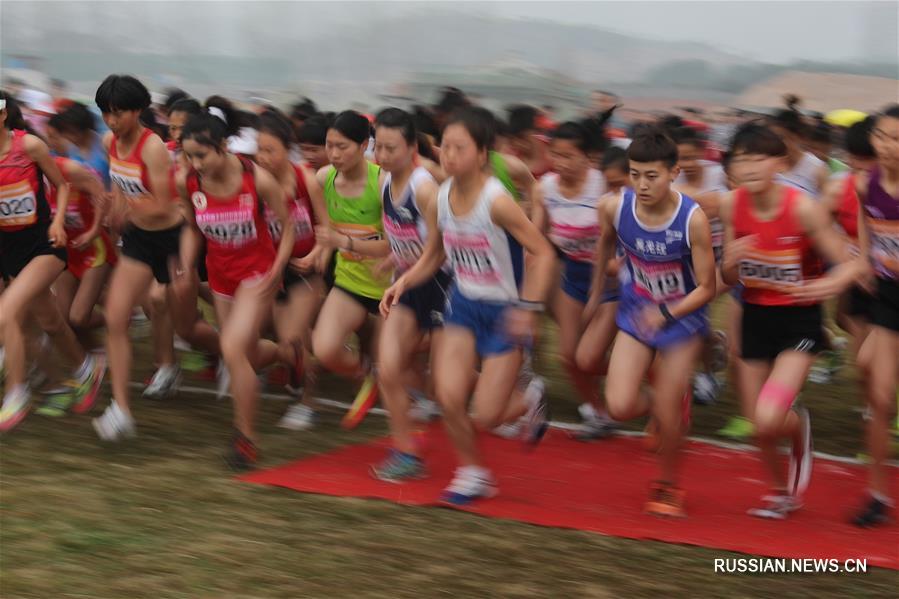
406,228
659,259
714,179
804,175
300,209
97,160
486,261
238,244
782,258
23,202
130,173
359,218
574,222
882,222
79,211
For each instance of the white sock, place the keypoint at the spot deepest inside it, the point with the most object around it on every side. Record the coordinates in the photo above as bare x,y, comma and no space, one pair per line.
17,392
474,472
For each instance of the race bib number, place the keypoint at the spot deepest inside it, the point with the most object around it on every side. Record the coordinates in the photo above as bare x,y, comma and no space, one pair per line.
471,258
405,242
127,177
18,206
232,229
578,243
885,244
774,270
660,281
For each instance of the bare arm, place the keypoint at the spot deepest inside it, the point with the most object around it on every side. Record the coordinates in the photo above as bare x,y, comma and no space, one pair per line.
539,215
272,194
159,164
703,267
538,280
38,151
605,251
191,238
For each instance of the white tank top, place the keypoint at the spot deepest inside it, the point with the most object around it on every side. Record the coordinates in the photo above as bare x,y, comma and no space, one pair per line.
486,261
804,176
574,222
714,179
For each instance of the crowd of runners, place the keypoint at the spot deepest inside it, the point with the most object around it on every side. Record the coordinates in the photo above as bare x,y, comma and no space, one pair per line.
416,252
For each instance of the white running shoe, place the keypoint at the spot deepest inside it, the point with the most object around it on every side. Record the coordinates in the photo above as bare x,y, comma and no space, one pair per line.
298,417
777,507
705,388
114,424
510,430
15,407
423,409
468,486
165,382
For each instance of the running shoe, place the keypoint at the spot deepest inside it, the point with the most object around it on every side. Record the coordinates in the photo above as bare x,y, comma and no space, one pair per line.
874,513
365,400
468,486
298,417
56,405
665,500
165,383
14,408
399,467
84,391
738,428
593,424
801,455
242,454
114,424
509,430
777,506
705,388
422,409
536,420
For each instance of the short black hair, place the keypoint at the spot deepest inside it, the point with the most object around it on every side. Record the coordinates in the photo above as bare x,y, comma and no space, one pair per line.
186,105
424,120
522,118
789,120
480,124
78,118
172,96
821,133
688,136
122,92
574,132
891,111
451,99
397,118
615,157
653,146
755,138
858,139
303,109
314,130
353,126
275,123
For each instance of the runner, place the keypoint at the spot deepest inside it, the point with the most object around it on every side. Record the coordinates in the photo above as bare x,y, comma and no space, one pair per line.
772,232
311,138
662,315
484,233
351,188
705,182
79,126
879,355
224,197
139,166
32,255
526,142
801,169
409,196
615,169
298,303
567,211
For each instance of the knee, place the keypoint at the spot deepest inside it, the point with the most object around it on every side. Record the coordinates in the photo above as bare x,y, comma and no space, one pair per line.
485,421
452,403
80,319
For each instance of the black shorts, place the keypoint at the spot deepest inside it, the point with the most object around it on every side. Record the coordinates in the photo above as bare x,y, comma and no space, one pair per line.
330,271
291,279
885,305
769,330
18,248
153,248
201,263
371,305
428,301
859,304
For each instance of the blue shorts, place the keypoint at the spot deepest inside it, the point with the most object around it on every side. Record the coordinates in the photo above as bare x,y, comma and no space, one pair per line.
692,325
486,320
576,279
428,302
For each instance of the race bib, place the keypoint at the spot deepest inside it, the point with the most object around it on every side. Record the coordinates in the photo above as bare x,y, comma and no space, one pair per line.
661,281
127,177
775,270
18,205
885,244
578,243
233,229
405,242
471,258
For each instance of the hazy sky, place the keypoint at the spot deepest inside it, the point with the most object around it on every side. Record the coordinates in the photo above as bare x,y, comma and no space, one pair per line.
771,31
840,30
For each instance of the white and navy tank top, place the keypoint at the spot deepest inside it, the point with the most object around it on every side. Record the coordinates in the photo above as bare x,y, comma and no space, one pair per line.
486,261
405,226
574,222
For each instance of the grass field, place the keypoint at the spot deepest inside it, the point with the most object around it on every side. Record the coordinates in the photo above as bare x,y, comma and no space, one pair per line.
160,517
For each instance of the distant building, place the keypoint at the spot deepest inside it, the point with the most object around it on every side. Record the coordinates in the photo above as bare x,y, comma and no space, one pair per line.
822,92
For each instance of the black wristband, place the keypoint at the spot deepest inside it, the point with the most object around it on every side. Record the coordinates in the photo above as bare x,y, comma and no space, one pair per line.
666,313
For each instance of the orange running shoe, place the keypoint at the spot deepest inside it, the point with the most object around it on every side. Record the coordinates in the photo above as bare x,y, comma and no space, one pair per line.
665,501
